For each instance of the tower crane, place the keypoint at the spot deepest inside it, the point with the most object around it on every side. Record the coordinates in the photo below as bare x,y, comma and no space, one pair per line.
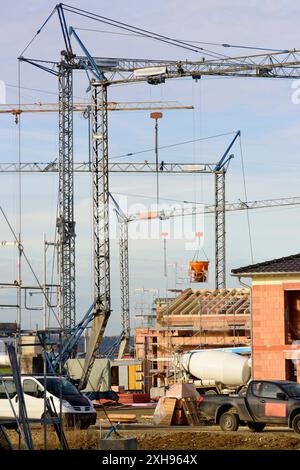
104,72
173,213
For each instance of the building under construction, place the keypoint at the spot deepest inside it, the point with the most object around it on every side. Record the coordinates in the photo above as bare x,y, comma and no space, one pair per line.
205,318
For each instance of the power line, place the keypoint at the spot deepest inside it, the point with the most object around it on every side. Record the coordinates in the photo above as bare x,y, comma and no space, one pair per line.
39,90
153,197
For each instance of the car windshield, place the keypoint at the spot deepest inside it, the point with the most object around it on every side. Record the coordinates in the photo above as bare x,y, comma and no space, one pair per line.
292,389
58,386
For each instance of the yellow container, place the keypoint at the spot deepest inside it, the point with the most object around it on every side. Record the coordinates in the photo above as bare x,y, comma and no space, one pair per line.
135,377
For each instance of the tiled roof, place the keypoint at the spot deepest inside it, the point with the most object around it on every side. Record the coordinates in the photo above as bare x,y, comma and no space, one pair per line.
288,264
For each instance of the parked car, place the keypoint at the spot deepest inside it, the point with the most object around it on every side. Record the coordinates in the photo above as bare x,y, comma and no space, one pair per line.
265,402
77,410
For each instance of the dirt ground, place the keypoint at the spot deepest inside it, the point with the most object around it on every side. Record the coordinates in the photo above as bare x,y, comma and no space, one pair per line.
180,438
197,440
193,439
150,437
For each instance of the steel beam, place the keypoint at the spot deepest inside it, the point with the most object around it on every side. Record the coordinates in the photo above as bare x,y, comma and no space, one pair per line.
282,64
285,64
211,209
113,167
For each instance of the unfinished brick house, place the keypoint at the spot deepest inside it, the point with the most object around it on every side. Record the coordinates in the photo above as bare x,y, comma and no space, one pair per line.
206,318
275,317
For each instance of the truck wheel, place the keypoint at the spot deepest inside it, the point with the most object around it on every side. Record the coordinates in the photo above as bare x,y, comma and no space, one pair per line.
256,427
296,424
229,422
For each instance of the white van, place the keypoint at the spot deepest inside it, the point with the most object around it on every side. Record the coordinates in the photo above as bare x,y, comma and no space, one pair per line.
77,409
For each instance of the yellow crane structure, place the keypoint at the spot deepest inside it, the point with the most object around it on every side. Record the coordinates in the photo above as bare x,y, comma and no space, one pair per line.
85,108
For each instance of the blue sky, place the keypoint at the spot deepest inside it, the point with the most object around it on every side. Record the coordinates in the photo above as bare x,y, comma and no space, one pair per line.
262,109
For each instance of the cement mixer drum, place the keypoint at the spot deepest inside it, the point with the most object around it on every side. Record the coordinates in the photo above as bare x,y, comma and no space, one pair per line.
222,367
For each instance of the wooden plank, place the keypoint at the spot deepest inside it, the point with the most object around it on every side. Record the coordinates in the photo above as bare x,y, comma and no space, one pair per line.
163,413
124,418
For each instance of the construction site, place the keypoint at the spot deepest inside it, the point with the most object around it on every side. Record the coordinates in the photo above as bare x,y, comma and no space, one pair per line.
150,268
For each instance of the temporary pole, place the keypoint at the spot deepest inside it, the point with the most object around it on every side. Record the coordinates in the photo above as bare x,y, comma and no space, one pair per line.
164,235
45,300
156,116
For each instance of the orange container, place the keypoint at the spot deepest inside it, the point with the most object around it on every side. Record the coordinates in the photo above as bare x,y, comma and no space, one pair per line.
198,271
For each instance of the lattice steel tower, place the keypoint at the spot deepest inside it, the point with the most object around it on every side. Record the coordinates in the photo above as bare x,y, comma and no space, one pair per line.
65,221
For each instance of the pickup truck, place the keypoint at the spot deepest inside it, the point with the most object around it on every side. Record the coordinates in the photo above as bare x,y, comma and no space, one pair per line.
265,402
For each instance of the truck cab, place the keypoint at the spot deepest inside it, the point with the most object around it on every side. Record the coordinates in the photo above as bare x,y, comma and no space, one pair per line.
265,402
77,410
269,400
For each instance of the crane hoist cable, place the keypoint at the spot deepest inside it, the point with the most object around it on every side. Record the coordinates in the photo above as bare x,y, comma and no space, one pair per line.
199,249
246,198
236,46
38,31
174,145
140,31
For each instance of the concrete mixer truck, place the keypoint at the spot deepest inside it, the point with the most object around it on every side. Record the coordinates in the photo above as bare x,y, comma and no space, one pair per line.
216,371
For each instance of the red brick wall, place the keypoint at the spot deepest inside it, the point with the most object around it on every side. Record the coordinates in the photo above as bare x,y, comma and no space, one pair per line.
268,330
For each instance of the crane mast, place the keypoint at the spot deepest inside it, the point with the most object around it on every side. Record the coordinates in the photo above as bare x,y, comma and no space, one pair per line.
65,222
100,224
